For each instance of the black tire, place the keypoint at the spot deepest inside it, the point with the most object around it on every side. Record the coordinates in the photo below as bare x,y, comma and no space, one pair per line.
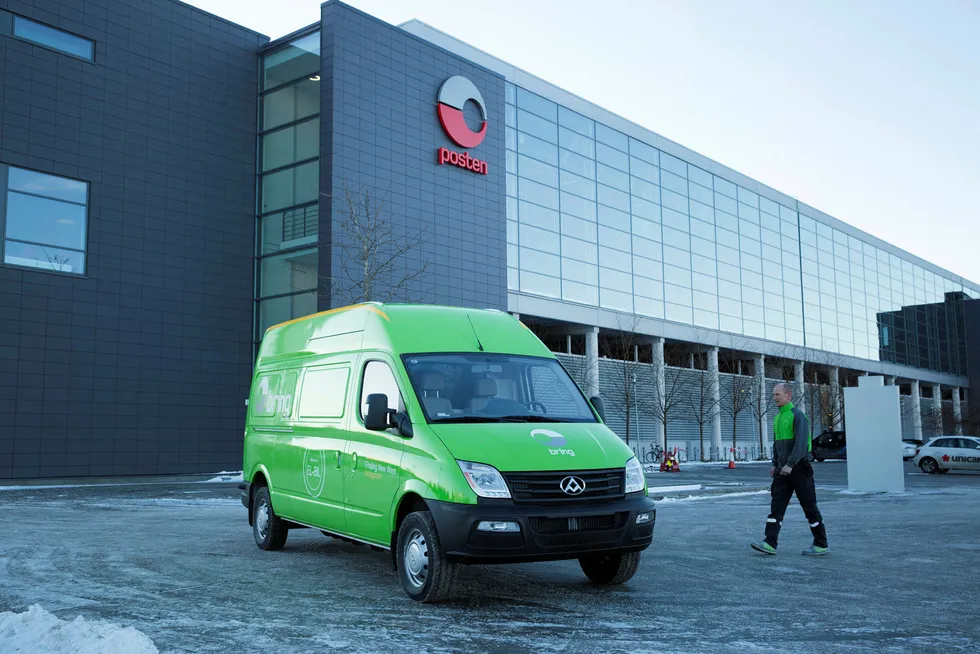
269,530
610,569
929,465
425,572
818,459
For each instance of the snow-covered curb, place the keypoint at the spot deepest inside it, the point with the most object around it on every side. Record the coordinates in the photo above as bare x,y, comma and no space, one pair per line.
36,630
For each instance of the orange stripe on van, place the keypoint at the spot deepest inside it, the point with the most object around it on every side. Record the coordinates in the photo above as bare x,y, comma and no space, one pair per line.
328,312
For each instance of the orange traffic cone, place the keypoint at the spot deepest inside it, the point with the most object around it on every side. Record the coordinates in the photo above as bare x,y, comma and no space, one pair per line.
731,458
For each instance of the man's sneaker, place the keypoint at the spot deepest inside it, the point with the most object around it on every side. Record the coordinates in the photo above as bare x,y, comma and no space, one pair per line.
764,547
813,550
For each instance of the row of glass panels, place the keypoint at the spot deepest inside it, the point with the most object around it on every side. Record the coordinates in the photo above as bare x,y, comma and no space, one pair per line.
600,218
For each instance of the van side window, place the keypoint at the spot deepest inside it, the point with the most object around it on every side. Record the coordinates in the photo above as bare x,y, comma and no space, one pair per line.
378,378
324,393
263,403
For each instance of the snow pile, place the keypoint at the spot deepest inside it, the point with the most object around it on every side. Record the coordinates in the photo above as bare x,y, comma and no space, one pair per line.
224,476
36,630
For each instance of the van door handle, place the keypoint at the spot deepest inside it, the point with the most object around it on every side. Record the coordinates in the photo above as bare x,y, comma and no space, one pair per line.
338,459
353,461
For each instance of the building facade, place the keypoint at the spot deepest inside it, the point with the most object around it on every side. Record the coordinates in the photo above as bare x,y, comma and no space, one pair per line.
172,184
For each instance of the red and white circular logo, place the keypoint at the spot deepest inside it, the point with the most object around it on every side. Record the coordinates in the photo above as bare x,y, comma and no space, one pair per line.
453,95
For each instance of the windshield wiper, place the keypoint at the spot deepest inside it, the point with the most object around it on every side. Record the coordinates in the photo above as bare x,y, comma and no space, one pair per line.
465,419
537,418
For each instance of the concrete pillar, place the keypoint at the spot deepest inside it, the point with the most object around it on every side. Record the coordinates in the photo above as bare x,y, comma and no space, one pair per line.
592,362
715,389
889,380
835,397
916,411
936,409
799,387
636,353
660,384
568,344
957,413
760,388
690,361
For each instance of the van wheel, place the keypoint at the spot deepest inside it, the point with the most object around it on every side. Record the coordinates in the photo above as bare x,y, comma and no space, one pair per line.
270,530
610,569
426,574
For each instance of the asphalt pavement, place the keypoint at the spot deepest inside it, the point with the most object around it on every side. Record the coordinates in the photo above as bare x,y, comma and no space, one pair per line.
178,563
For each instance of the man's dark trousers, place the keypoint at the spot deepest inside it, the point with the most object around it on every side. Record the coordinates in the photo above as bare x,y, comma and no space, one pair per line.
799,481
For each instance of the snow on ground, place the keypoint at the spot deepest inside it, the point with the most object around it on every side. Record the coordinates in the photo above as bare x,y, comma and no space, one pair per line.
37,630
224,476
717,496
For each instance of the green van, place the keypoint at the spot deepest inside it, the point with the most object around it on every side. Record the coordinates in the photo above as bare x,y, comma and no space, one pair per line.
445,435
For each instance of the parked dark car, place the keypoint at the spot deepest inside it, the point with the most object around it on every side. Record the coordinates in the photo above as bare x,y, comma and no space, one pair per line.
830,445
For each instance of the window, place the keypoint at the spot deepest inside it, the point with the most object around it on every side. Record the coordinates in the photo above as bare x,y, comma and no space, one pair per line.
49,37
263,402
378,378
285,188
290,104
292,62
289,273
291,144
324,393
477,387
280,309
45,221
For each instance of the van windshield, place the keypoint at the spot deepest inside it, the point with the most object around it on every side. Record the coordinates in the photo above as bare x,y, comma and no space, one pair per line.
461,388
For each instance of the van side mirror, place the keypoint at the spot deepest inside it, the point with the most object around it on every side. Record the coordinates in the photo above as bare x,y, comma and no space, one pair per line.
377,412
599,407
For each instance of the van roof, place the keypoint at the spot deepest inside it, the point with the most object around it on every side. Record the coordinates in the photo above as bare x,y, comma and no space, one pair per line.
400,329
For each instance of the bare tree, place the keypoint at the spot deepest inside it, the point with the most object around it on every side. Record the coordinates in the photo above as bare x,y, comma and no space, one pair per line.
620,348
831,405
703,406
670,399
763,409
372,264
736,397
932,420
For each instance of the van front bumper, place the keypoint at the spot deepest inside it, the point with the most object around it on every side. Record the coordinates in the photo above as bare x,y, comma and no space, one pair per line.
547,533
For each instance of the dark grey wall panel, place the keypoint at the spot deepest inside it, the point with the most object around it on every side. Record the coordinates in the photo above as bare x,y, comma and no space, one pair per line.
380,131
142,366
972,328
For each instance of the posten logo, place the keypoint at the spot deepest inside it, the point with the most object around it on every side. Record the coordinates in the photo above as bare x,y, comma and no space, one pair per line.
454,93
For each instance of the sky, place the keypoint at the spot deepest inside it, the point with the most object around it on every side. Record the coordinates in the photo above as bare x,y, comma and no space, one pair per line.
868,111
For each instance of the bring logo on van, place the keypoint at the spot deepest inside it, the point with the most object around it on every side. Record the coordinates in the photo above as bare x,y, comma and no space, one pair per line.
314,469
554,441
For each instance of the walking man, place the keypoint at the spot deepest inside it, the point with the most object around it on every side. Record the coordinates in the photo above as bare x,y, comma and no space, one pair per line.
791,472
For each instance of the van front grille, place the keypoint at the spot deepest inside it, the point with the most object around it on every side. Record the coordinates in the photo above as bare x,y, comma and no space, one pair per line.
546,487
578,524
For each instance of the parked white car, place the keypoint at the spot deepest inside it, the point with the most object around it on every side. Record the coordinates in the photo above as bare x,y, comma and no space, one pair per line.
946,453
910,448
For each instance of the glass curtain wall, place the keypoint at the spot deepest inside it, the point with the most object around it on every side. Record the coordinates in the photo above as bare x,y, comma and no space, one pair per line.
288,182
598,218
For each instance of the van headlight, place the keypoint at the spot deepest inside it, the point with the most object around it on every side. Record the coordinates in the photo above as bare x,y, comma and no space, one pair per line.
635,479
485,480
